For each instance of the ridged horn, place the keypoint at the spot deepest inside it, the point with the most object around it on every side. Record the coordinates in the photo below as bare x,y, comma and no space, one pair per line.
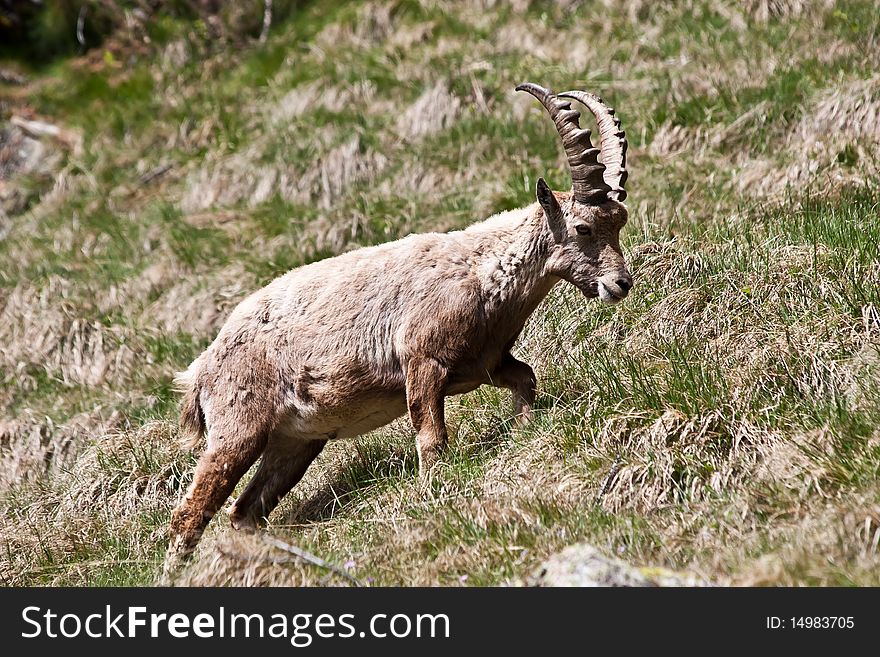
612,141
587,181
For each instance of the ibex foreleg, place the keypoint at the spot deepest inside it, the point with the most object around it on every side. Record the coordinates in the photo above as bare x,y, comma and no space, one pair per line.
425,382
520,378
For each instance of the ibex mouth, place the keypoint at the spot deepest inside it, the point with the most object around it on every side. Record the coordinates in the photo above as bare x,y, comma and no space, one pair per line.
609,295
591,290
603,292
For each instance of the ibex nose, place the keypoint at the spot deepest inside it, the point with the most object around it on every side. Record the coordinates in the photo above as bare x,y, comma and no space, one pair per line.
614,287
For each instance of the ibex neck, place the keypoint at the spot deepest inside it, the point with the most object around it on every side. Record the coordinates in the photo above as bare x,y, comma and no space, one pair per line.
511,253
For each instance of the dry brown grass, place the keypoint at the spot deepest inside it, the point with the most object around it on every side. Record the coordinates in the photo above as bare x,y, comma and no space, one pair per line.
33,448
239,180
76,508
764,10
435,110
361,97
835,143
242,180
200,306
39,331
658,460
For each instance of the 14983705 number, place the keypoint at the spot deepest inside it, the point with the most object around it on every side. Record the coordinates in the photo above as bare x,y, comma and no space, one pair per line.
811,622
822,622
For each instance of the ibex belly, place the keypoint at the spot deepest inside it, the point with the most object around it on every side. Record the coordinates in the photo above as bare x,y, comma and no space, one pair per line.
372,414
348,418
345,401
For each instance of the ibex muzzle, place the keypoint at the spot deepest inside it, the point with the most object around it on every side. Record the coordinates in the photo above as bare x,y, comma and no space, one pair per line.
342,346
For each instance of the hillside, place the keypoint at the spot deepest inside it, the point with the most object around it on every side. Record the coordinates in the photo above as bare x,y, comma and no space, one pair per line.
722,421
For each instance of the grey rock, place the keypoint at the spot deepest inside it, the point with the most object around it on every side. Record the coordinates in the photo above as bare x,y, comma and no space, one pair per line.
584,565
28,167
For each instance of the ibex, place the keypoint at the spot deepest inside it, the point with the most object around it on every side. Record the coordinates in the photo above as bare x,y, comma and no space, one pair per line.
343,346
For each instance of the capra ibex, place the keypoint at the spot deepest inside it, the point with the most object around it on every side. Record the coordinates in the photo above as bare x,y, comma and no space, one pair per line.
345,345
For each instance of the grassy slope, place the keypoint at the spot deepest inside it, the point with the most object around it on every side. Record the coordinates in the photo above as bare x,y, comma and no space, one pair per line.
722,420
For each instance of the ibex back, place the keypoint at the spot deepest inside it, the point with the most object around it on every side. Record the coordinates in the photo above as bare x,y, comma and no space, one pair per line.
343,346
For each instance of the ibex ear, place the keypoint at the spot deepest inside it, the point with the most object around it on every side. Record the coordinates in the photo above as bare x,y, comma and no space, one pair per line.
552,210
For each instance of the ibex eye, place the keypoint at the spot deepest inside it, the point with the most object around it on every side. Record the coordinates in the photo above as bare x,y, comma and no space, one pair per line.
583,230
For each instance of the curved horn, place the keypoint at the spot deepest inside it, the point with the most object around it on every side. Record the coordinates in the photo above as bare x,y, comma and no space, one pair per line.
612,141
587,182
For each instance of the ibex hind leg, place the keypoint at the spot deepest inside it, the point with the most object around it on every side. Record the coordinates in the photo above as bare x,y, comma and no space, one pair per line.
219,469
284,463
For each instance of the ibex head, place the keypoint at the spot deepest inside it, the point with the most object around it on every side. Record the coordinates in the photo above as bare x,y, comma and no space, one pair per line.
586,223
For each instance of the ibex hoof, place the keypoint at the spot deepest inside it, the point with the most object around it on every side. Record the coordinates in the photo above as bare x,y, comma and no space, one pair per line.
244,523
175,558
525,417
